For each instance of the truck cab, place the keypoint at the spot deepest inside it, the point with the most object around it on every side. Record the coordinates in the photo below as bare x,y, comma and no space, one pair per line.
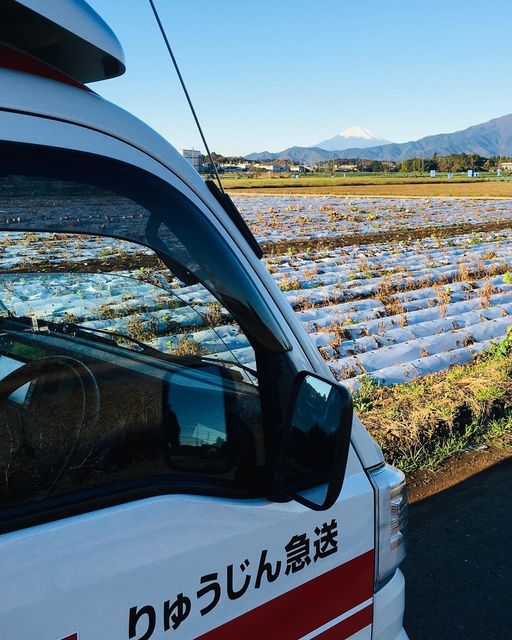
176,458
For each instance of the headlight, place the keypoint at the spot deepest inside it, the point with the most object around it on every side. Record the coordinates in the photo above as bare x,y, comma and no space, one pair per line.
391,521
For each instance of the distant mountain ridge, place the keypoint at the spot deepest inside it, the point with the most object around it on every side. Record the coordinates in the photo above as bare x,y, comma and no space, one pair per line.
491,138
303,155
306,155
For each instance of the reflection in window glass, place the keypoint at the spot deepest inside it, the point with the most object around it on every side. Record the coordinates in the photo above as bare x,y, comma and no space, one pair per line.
105,284
311,442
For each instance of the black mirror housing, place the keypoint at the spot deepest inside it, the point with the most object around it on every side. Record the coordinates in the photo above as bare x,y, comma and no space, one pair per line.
316,441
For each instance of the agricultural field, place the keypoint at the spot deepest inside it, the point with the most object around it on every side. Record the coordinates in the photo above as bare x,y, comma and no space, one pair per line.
294,218
117,288
391,311
388,311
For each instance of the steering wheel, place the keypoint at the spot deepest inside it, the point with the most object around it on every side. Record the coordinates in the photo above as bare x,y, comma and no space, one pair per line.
54,368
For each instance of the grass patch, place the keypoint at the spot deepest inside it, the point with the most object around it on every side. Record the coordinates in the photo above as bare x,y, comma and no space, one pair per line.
142,330
288,284
323,180
187,346
366,186
422,423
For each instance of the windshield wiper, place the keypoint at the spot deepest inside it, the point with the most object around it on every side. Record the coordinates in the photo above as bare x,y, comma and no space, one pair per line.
233,363
146,349
72,328
111,338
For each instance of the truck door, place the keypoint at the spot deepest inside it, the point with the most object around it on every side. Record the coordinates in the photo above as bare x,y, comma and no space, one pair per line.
144,378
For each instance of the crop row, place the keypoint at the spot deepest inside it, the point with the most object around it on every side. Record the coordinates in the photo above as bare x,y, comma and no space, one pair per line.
282,218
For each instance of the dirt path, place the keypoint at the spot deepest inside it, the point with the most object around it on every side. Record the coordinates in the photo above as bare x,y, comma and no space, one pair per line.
459,566
425,484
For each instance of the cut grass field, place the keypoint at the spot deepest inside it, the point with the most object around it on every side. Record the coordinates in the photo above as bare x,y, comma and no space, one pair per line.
326,179
459,186
422,423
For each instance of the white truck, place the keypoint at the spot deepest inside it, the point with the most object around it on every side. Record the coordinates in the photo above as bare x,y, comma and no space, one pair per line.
176,459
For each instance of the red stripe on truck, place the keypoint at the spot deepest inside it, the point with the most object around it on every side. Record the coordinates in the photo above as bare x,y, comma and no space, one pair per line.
18,61
308,607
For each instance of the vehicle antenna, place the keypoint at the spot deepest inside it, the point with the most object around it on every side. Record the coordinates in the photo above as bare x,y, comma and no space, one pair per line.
175,63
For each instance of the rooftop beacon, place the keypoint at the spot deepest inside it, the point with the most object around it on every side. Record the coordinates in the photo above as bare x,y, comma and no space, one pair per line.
62,39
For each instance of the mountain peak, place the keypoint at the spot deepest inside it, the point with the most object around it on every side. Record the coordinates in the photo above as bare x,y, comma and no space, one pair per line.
359,132
350,138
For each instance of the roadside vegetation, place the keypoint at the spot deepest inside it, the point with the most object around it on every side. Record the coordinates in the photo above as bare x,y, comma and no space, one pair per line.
422,423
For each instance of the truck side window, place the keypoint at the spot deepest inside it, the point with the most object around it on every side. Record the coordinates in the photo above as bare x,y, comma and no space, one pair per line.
115,368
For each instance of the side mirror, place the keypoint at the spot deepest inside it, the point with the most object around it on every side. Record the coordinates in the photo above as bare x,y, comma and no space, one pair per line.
316,442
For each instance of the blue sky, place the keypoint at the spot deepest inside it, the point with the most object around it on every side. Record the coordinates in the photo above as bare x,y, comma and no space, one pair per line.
266,75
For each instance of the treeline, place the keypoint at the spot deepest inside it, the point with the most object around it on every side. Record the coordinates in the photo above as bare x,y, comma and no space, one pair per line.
365,166
452,163
218,157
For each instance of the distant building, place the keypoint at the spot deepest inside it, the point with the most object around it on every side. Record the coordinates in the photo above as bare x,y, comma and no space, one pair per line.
272,168
234,168
194,157
506,166
345,167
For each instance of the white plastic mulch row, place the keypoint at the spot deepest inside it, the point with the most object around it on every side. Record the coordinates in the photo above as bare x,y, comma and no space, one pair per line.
431,338
17,248
335,275
353,265
424,335
397,312
420,367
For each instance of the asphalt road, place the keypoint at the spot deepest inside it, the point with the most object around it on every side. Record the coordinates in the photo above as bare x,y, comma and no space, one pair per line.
459,566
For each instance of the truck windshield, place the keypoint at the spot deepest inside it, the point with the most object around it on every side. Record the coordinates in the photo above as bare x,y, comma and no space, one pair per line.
110,198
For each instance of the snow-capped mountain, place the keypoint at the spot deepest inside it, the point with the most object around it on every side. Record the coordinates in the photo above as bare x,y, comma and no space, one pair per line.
492,138
351,138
